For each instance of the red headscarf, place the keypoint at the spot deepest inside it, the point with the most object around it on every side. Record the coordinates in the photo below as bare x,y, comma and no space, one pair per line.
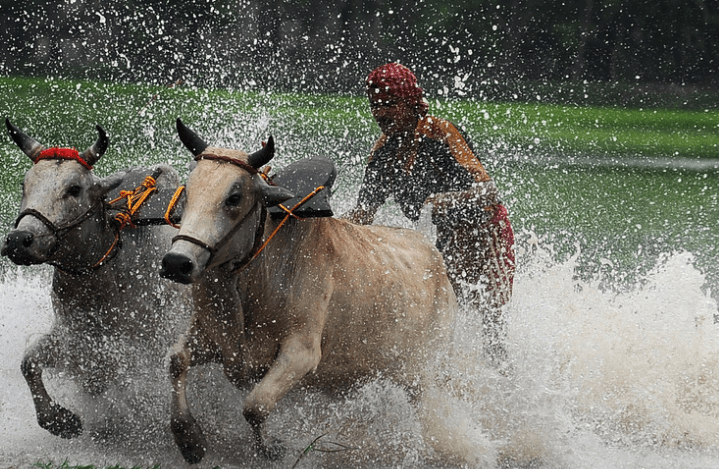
396,81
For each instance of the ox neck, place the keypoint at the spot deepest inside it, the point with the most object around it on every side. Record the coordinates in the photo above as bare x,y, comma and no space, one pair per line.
237,266
274,237
96,252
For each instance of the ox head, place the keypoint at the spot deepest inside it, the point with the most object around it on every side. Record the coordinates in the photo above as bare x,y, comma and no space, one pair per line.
223,215
60,194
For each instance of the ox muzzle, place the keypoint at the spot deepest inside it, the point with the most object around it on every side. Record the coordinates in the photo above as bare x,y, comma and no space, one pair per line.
23,248
18,247
177,267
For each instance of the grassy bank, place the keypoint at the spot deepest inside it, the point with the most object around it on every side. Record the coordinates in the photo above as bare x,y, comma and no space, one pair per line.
596,131
140,119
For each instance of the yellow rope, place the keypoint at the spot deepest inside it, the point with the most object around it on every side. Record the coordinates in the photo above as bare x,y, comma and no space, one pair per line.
265,173
171,206
135,199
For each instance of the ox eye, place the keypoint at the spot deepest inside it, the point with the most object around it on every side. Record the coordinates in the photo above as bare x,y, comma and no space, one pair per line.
233,200
74,190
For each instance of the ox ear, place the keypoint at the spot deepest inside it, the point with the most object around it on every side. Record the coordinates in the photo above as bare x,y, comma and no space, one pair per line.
262,157
106,184
190,139
31,147
274,195
92,155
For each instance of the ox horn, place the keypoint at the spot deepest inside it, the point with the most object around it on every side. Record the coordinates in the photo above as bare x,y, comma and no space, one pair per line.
93,154
193,143
262,157
27,144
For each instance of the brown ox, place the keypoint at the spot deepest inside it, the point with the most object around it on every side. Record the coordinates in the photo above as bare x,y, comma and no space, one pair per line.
324,305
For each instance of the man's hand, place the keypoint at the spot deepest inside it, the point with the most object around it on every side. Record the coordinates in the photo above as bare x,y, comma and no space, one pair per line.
447,207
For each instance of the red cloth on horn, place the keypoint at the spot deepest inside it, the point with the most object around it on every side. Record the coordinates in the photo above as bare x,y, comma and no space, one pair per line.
56,153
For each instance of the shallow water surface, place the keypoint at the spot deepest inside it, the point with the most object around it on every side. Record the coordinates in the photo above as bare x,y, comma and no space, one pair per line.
598,379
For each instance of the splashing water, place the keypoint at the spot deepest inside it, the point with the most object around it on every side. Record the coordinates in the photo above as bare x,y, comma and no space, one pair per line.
603,374
598,378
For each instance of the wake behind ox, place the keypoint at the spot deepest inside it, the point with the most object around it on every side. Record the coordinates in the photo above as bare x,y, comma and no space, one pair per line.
324,305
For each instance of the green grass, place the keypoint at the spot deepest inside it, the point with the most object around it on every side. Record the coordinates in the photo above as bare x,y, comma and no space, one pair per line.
593,131
65,112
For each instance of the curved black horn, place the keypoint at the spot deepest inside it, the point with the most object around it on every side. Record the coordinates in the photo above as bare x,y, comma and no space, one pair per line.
262,157
27,144
190,138
93,154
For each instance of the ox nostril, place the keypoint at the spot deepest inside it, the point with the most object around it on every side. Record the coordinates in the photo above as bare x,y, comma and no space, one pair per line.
18,246
186,267
17,239
27,240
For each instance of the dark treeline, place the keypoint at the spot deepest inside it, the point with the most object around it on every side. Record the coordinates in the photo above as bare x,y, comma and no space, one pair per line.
465,47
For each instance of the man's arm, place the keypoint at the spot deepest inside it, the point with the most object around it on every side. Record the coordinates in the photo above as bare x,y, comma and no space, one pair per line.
372,194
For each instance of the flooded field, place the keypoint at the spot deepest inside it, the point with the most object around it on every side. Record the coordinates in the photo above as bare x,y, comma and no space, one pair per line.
613,336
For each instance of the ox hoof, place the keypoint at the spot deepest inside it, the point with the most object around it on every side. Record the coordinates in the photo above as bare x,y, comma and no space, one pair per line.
190,439
61,422
273,451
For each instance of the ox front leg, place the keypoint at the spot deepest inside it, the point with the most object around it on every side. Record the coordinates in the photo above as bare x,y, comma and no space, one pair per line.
52,417
187,432
298,356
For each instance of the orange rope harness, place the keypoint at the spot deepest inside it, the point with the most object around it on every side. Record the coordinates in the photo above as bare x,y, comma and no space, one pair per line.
171,206
135,199
287,217
107,254
265,174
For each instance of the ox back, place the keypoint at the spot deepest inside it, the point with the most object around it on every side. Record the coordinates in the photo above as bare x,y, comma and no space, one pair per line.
301,178
153,210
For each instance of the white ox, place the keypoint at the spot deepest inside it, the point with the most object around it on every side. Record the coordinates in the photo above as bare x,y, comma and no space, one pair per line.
63,222
325,304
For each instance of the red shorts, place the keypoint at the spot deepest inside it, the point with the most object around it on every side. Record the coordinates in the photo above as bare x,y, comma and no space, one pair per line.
481,255
502,246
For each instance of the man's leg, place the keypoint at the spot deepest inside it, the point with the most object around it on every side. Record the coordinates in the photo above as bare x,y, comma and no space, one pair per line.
480,264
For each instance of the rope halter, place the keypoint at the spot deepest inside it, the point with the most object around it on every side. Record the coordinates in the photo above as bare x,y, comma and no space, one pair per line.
258,245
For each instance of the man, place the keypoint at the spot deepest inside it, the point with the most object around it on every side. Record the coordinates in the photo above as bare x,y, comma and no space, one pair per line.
421,160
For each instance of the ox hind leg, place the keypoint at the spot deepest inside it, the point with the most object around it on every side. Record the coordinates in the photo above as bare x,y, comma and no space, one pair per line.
187,432
51,416
298,355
